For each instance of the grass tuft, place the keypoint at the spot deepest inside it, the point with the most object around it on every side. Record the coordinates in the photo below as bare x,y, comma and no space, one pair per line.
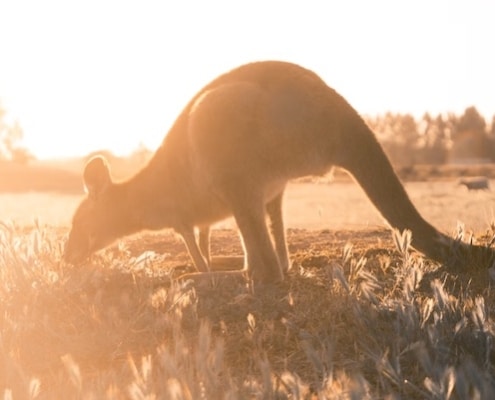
360,321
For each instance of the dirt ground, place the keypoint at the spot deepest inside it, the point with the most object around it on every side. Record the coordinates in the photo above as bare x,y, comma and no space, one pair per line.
226,243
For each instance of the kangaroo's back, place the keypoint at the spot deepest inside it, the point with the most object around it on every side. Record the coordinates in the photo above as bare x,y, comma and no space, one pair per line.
268,75
270,116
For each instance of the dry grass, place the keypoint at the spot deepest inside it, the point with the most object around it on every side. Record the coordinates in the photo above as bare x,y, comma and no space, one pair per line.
359,316
365,321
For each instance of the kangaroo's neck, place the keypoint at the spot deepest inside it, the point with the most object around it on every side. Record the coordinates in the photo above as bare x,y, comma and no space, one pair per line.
157,194
150,198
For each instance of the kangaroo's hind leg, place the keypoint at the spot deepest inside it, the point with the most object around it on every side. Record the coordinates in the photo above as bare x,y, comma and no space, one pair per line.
274,211
261,259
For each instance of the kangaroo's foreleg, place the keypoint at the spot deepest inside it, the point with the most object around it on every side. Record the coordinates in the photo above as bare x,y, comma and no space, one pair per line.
204,243
200,262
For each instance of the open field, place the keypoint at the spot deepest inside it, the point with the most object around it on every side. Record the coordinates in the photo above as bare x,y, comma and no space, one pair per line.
334,205
358,316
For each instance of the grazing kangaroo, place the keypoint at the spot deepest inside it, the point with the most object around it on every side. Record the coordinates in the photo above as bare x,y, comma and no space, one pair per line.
232,151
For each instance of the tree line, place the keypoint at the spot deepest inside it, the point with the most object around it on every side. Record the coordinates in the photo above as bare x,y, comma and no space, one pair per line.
435,140
11,134
439,139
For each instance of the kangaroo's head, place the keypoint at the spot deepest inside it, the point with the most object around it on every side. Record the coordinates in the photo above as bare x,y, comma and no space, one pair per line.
96,221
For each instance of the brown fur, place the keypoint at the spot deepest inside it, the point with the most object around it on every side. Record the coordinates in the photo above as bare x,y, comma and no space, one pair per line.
231,151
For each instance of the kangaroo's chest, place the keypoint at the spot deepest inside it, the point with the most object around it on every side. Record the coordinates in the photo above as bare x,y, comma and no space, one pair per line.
208,204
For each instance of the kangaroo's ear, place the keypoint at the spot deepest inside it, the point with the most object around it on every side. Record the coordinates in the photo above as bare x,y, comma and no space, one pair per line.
96,176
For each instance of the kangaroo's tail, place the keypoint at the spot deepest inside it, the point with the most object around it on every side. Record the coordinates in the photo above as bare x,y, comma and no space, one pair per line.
365,159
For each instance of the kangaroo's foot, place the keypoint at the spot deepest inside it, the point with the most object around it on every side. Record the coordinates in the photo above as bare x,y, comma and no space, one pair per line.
215,277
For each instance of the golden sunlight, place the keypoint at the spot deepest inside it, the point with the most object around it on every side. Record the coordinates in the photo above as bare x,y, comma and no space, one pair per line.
116,87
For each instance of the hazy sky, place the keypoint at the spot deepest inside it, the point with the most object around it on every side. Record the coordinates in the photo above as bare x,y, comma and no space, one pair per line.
86,75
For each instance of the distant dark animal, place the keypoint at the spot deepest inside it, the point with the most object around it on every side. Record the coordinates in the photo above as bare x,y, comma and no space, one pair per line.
480,183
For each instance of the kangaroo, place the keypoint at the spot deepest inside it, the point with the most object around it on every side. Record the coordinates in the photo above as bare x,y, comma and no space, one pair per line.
231,152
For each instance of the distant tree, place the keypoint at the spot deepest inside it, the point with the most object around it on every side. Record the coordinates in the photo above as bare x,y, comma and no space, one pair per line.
471,142
399,138
451,121
406,129
434,142
10,139
400,128
471,121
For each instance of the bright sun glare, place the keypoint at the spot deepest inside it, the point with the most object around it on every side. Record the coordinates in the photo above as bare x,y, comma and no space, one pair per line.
115,75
